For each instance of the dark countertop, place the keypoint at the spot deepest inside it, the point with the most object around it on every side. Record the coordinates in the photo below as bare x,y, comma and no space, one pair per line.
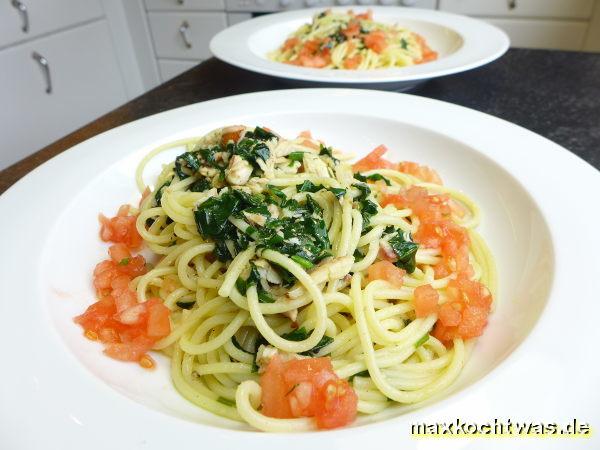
554,93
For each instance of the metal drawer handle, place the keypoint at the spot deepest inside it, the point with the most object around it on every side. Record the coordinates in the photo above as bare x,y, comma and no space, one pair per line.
183,31
512,4
43,62
24,15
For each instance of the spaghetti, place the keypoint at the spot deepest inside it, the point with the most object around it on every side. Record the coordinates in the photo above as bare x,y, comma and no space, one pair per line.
279,259
335,40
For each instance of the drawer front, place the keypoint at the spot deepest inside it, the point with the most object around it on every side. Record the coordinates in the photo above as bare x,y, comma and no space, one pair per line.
576,9
170,68
237,17
43,16
559,35
86,83
171,31
185,5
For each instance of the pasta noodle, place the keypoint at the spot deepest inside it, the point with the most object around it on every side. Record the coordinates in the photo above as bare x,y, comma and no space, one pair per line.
336,40
279,249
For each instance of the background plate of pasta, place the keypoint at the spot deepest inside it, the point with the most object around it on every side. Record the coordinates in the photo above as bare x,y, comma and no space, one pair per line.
391,46
231,272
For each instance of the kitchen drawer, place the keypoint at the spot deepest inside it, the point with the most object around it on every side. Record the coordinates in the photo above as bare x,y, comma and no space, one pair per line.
44,16
190,5
166,28
575,9
170,68
86,83
552,34
237,17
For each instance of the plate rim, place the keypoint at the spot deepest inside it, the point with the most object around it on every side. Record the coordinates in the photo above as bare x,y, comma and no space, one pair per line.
227,44
585,171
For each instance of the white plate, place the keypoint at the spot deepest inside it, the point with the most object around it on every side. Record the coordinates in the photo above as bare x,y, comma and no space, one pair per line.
463,43
536,360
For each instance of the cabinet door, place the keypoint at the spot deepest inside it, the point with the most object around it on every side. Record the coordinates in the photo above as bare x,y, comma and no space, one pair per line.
171,31
43,16
85,80
184,5
552,34
576,9
170,68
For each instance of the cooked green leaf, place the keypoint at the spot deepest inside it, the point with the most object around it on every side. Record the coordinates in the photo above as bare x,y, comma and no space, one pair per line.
338,192
406,251
159,192
211,216
300,334
226,401
295,156
185,305
237,345
421,341
372,177
305,263
201,185
364,373
261,133
265,297
327,151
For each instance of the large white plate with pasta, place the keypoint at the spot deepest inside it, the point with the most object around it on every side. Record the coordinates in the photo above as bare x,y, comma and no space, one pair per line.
538,336
388,47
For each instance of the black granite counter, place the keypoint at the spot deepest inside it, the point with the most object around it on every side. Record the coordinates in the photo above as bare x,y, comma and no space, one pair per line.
554,93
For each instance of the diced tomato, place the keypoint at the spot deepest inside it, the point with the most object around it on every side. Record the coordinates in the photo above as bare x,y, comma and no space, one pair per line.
376,41
119,253
109,275
314,53
120,282
302,400
427,54
299,370
124,298
133,315
129,351
158,319
290,43
316,61
274,390
353,62
465,313
367,15
232,133
452,240
305,134
307,388
450,313
385,270
373,160
108,335
426,300
352,30
337,404
424,173
135,267
426,207
97,314
120,229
